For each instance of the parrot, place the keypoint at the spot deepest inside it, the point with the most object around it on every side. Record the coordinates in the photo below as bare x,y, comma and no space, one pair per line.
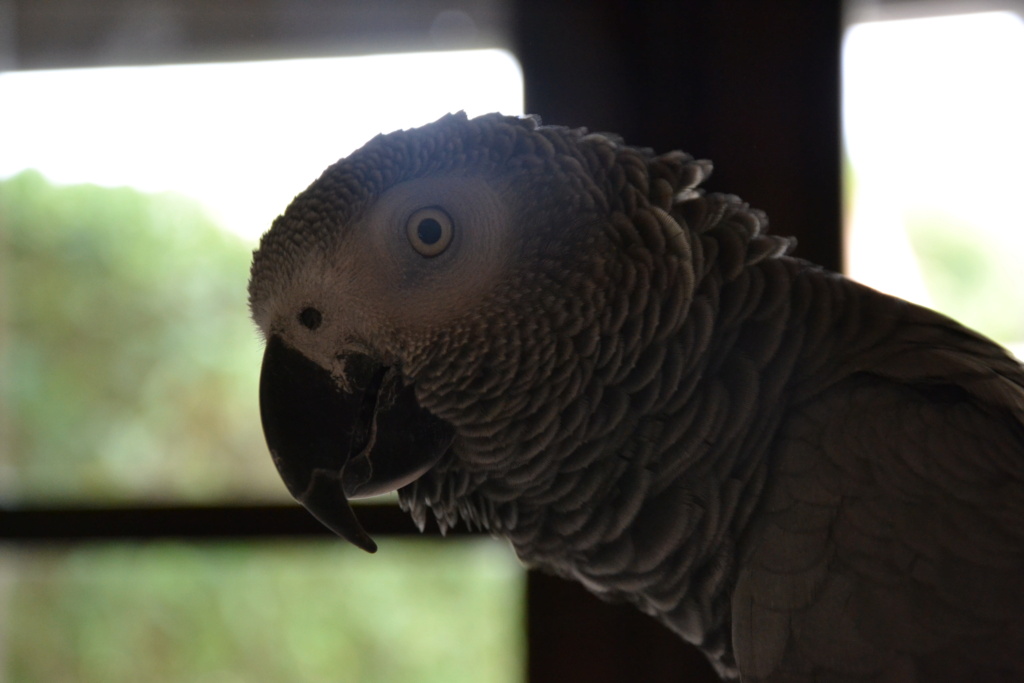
562,340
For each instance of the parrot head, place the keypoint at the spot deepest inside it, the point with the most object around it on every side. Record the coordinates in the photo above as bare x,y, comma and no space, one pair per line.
429,303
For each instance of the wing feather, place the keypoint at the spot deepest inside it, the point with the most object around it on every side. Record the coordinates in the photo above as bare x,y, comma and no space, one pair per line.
891,545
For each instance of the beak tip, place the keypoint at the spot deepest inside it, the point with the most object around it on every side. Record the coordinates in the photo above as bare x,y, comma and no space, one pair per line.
325,500
353,533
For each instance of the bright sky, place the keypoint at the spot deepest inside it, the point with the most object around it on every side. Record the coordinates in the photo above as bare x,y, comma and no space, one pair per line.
933,117
244,138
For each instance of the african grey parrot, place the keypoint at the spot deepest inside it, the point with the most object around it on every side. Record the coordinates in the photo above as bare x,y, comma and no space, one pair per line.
559,338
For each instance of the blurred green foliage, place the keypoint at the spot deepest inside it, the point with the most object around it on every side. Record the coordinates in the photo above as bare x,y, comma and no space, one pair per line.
970,276
128,373
130,367
288,613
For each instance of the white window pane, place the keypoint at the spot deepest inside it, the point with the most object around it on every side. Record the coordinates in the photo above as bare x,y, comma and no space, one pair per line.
242,137
932,112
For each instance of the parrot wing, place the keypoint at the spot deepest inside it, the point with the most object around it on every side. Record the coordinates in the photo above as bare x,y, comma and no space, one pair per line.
891,545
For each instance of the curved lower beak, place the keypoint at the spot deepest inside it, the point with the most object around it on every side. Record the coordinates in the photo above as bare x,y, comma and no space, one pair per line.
332,442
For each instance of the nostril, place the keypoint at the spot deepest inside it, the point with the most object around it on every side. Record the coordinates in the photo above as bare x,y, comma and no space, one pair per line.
310,318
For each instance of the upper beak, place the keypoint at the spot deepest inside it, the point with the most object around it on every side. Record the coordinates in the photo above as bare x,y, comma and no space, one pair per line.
331,443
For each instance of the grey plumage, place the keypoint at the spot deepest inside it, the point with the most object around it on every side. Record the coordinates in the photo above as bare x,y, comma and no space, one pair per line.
638,387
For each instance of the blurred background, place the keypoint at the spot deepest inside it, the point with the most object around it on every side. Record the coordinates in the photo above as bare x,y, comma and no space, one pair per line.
145,146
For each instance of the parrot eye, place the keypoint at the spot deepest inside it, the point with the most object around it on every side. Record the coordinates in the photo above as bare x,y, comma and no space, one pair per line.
310,318
430,230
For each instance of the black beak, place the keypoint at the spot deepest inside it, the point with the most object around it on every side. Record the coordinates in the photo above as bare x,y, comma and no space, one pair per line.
331,443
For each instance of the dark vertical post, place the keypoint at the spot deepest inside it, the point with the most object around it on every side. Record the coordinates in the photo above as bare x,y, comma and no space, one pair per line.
752,85
575,637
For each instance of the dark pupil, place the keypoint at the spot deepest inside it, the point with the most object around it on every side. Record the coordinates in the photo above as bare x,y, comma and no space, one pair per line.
429,231
311,318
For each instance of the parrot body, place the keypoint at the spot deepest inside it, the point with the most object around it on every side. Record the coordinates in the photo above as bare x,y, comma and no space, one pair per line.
560,339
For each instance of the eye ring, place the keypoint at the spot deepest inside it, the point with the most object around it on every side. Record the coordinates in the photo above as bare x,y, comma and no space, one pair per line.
430,230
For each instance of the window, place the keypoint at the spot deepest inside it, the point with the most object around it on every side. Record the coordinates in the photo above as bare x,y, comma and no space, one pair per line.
932,111
233,143
130,202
